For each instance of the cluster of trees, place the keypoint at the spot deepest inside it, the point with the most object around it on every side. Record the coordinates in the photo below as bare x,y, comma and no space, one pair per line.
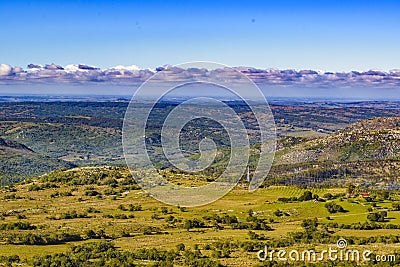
252,222
225,219
45,238
255,236
396,206
377,216
193,223
332,207
306,196
91,234
12,196
69,215
17,226
100,176
364,226
91,192
9,260
42,186
120,216
152,230
105,254
61,194
131,207
40,238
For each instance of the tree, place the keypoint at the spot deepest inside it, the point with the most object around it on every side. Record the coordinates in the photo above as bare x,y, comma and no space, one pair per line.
351,188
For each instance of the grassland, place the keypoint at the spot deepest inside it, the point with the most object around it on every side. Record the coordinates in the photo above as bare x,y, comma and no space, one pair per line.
121,212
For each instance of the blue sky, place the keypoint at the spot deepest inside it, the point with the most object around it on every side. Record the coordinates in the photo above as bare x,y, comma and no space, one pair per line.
325,35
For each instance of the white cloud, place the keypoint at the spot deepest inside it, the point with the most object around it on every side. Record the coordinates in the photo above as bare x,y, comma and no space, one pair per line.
128,68
80,73
71,68
5,70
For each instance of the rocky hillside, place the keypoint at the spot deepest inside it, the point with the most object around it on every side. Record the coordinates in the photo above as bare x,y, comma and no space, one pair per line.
374,124
371,139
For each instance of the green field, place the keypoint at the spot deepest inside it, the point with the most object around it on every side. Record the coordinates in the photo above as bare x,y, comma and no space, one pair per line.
64,202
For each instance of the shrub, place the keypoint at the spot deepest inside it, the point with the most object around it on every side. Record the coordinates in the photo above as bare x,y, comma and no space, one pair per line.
91,193
180,247
278,213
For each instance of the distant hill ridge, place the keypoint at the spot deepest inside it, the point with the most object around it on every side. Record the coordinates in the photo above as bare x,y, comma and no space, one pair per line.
18,162
13,144
384,123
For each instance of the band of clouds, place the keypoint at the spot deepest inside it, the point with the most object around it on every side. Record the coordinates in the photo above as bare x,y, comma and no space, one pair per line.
81,73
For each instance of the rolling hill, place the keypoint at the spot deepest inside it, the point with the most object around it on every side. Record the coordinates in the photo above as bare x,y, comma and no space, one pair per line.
80,144
18,162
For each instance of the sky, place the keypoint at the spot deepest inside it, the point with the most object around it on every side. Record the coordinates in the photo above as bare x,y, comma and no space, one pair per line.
319,35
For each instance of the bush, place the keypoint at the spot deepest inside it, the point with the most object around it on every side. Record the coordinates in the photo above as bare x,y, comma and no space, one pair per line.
164,210
21,216
278,213
91,193
180,247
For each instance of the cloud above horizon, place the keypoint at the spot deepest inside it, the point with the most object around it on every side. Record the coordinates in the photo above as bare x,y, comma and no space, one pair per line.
81,74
